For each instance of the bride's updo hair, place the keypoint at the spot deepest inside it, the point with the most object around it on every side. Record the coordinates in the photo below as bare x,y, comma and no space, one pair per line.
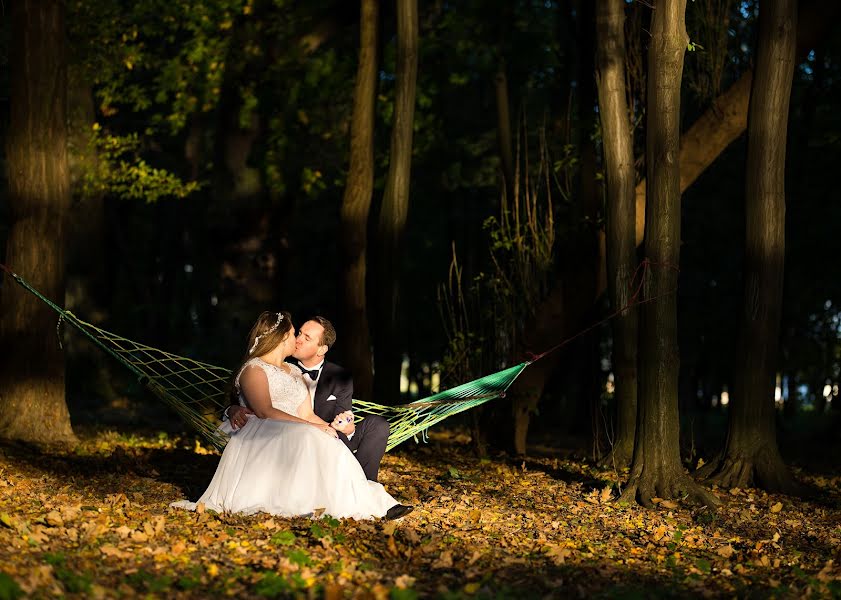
270,330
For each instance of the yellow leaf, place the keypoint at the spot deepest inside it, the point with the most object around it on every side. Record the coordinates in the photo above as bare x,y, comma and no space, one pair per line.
726,551
777,507
472,588
54,519
109,550
6,520
389,528
444,561
404,581
668,504
606,494
139,536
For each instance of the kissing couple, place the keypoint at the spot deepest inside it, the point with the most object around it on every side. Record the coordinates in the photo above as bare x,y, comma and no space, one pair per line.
294,449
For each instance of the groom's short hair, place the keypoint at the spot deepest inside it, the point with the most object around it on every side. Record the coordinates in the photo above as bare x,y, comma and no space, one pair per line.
328,338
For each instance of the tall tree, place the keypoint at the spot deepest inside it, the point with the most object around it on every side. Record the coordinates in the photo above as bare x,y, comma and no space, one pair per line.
751,457
395,208
619,216
32,402
356,204
656,470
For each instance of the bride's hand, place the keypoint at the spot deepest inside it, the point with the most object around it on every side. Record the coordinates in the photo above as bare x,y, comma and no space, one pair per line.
328,430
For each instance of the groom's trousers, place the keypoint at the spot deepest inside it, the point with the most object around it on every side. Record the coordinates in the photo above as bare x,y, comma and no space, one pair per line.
368,444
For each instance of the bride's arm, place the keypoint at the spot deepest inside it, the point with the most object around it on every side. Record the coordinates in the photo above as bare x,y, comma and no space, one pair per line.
255,387
305,412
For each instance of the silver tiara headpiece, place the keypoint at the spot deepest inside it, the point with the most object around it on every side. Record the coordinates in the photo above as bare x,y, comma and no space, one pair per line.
266,332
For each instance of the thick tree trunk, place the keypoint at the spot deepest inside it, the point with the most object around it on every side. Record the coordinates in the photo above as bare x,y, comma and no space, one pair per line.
356,205
32,404
751,457
395,209
656,470
619,212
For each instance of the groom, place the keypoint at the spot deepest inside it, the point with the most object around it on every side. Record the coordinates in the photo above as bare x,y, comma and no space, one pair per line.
331,391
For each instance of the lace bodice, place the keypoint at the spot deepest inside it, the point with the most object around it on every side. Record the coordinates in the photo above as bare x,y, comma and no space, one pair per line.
287,390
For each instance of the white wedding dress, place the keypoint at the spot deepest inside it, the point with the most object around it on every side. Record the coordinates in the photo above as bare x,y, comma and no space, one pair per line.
289,469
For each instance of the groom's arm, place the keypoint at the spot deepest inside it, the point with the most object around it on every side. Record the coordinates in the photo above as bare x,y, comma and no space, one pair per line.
344,391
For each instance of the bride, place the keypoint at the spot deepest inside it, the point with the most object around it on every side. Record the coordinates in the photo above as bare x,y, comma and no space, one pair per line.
286,460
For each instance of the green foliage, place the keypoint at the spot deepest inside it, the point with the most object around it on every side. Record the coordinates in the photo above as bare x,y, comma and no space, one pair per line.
73,582
272,585
283,538
120,171
9,588
299,557
403,594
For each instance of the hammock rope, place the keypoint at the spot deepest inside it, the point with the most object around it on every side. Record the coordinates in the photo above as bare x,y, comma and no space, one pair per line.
198,391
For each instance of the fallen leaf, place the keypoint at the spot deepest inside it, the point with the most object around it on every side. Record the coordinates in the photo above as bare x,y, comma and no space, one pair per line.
109,550
777,507
444,561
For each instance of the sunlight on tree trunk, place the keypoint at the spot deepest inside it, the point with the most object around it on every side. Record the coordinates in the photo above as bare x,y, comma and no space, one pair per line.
619,212
32,404
395,209
656,470
356,205
751,457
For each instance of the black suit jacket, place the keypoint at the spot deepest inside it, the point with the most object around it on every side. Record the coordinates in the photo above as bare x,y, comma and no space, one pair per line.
334,392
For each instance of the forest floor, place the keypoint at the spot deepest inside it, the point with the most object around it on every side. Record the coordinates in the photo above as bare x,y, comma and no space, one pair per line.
94,521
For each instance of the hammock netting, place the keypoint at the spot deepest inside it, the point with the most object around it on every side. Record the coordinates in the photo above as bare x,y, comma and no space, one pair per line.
199,392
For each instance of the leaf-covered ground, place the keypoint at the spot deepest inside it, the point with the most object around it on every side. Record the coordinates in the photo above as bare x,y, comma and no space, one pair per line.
94,521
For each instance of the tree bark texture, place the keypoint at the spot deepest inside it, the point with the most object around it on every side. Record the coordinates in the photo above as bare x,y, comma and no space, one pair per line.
656,470
395,209
356,205
619,216
751,456
32,402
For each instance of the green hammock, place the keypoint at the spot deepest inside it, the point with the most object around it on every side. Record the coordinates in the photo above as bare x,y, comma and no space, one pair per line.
198,391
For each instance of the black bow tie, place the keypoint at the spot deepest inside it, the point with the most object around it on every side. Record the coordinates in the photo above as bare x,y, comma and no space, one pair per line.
313,374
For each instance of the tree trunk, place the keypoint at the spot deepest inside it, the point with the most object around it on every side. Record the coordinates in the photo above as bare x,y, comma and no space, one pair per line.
619,212
356,205
395,208
503,128
32,404
751,457
656,469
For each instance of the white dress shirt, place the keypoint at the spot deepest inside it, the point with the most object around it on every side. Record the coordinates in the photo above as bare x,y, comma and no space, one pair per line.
311,385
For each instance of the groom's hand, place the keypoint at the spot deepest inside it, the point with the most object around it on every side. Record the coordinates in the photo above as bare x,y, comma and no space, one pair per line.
344,422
